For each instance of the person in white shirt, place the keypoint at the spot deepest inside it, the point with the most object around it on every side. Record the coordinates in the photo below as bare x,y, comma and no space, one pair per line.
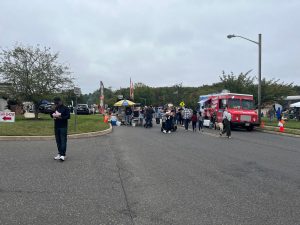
226,121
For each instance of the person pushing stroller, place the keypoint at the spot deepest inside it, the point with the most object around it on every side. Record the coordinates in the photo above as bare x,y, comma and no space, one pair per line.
168,124
148,117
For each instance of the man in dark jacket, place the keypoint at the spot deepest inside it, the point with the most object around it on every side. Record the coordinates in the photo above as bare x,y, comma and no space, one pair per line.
128,114
149,116
60,116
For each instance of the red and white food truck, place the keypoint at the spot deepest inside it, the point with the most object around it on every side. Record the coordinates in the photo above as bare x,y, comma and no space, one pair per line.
241,107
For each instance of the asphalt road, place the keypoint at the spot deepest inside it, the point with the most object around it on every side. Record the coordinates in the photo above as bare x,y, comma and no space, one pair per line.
143,177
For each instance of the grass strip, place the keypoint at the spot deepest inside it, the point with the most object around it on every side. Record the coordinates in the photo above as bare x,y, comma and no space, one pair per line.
44,126
292,124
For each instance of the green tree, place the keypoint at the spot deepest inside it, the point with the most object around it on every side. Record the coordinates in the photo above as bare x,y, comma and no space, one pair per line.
271,90
275,91
34,73
242,83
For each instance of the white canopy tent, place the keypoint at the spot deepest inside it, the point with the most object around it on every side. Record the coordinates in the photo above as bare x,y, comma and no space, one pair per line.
296,104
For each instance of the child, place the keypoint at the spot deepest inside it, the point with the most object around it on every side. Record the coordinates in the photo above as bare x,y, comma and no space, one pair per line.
194,120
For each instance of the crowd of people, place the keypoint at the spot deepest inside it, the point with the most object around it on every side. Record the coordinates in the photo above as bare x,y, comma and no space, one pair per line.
169,118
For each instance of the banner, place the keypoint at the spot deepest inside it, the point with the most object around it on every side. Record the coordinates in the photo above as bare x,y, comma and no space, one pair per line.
7,117
101,105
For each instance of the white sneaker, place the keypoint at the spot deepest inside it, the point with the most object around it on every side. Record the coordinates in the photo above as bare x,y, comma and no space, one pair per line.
62,158
169,132
164,131
57,157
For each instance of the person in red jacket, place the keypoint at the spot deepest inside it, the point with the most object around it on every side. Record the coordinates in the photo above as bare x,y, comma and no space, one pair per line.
194,120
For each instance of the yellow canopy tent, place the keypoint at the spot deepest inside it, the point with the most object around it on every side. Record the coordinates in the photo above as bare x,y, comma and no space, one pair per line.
124,103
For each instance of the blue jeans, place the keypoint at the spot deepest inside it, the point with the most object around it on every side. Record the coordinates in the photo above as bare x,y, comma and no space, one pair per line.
200,124
61,140
127,119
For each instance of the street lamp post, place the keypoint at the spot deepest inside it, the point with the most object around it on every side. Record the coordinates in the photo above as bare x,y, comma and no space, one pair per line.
259,70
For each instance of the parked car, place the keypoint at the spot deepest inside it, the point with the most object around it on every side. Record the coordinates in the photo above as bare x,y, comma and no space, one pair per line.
46,108
83,109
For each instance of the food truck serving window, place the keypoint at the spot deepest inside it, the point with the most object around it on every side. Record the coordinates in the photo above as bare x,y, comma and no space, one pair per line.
247,104
234,103
222,103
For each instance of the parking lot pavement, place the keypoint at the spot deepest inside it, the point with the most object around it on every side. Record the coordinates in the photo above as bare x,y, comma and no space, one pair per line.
144,177
36,189
201,178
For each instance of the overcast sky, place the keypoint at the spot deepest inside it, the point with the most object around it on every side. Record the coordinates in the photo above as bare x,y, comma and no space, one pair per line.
158,42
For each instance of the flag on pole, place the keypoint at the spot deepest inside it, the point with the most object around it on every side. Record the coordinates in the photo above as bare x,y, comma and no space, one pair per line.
101,98
131,90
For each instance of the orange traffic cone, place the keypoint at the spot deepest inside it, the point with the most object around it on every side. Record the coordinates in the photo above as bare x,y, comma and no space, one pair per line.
262,124
106,119
281,127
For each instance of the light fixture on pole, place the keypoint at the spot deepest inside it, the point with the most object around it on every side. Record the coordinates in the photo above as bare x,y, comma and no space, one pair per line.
259,70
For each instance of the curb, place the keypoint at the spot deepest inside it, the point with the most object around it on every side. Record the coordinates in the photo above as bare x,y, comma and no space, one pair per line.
277,133
46,138
259,130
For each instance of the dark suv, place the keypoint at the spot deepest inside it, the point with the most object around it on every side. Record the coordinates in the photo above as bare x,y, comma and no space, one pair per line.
83,109
46,108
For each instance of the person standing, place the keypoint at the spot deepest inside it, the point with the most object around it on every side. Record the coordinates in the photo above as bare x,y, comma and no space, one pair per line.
128,114
157,115
186,117
60,116
141,117
149,116
194,120
278,114
226,121
168,123
178,117
200,121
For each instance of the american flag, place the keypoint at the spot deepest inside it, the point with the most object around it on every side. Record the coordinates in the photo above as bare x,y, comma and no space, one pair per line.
101,97
131,90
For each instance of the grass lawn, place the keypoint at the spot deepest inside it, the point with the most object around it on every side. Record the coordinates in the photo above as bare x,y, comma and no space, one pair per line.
44,126
292,124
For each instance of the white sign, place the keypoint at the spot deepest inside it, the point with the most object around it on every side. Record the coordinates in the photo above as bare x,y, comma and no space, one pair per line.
7,117
77,91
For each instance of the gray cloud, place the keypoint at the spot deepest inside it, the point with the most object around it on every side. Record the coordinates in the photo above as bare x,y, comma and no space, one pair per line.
158,42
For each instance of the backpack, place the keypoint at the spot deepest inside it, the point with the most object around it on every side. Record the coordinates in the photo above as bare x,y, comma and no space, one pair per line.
228,116
194,118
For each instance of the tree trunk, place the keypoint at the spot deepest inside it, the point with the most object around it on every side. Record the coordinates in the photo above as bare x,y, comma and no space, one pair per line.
36,111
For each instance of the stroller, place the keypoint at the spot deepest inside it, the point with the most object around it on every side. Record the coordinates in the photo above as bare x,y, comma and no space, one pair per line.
168,124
